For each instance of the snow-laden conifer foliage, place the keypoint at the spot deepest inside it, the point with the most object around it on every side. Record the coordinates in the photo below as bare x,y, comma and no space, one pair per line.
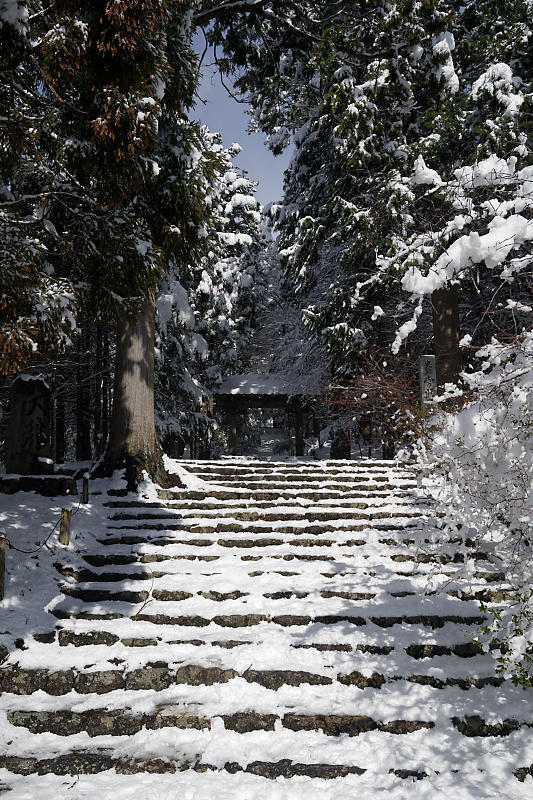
391,107
207,308
467,201
95,98
412,174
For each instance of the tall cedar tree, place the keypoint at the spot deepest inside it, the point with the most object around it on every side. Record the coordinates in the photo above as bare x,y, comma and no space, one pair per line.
105,77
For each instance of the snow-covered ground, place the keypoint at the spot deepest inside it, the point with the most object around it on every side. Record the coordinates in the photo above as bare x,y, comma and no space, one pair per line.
296,597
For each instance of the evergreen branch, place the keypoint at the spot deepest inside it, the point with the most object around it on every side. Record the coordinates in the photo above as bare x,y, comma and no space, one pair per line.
29,198
208,14
40,13
257,7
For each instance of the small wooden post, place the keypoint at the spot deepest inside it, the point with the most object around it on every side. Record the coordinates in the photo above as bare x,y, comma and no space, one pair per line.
3,541
64,527
85,490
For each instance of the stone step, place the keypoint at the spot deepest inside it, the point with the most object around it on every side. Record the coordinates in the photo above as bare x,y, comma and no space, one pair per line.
357,500
83,575
83,762
161,549
120,557
288,478
121,610
159,675
267,557
326,548
274,515
164,579
302,475
419,651
299,464
99,722
173,573
367,641
271,494
333,484
137,596
170,559
241,526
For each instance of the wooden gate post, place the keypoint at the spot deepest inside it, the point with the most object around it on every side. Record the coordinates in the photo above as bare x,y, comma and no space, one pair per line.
64,526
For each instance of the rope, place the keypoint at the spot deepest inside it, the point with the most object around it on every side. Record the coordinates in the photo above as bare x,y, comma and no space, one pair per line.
40,547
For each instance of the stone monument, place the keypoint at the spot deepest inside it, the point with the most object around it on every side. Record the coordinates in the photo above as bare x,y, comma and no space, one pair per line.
28,445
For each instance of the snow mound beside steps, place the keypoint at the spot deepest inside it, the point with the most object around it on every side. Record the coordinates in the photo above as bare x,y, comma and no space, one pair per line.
274,628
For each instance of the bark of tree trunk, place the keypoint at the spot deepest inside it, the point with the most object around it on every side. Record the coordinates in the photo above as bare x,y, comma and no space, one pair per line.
60,429
106,386
132,437
83,411
446,335
98,395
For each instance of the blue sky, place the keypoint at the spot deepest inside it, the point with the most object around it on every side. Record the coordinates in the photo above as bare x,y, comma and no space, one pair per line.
222,113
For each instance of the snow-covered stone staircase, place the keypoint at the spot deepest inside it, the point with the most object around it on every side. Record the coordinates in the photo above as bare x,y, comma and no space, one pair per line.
293,621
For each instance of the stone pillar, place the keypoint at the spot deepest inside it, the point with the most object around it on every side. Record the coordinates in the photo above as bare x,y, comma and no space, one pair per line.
28,438
446,334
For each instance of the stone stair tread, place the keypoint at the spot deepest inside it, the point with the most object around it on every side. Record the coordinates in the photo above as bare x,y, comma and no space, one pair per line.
164,777
350,500
265,495
444,673
298,743
100,722
428,605
384,512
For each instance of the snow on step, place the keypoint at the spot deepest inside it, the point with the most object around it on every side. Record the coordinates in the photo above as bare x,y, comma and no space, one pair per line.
289,620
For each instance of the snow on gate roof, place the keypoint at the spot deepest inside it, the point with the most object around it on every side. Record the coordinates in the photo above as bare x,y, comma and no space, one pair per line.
259,384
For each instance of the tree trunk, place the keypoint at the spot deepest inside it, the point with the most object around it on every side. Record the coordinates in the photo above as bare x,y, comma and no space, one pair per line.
60,429
83,411
446,335
106,385
98,395
132,438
